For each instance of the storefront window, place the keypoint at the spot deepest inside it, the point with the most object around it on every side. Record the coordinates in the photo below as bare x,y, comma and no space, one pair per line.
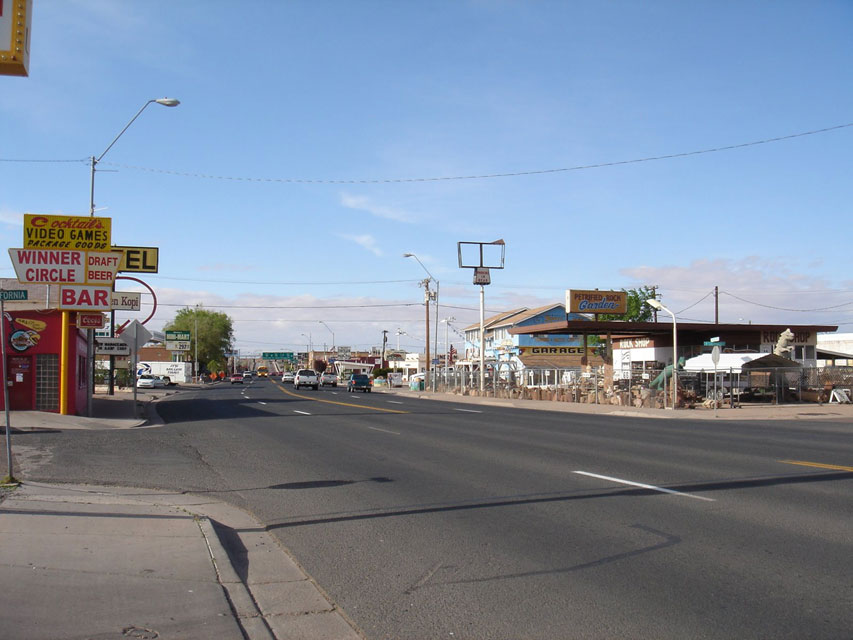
47,382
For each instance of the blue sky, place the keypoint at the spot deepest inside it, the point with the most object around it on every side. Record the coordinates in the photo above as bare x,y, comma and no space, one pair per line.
367,98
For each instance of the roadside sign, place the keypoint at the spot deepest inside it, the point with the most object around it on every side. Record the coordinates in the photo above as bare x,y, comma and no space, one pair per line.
43,266
178,335
84,298
714,343
71,233
111,347
90,320
177,345
126,301
15,28
715,356
56,266
13,294
482,275
277,355
138,259
135,334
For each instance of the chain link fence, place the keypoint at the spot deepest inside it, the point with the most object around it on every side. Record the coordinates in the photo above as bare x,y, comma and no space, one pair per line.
652,387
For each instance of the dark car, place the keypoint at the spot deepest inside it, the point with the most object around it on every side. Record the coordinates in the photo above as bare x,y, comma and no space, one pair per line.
359,382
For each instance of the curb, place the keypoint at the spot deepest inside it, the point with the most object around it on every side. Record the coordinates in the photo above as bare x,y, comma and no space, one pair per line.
239,597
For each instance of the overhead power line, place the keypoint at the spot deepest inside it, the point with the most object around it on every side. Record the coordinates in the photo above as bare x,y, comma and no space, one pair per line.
767,306
484,176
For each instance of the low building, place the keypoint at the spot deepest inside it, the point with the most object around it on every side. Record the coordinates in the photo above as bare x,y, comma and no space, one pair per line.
510,349
47,368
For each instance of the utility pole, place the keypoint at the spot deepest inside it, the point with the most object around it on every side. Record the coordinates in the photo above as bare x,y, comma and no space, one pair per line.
384,342
716,306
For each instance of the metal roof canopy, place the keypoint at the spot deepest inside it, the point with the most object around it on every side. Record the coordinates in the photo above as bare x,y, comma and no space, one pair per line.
620,329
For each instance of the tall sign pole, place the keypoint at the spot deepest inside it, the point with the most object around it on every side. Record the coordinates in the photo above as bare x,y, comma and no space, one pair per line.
482,338
7,295
481,257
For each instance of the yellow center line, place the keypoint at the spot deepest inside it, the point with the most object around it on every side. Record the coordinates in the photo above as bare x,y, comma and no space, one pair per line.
343,404
819,465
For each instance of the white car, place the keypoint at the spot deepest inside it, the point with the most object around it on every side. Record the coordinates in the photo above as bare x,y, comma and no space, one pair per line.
148,381
306,378
287,376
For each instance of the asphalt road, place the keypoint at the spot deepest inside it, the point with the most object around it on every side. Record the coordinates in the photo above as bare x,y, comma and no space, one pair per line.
428,519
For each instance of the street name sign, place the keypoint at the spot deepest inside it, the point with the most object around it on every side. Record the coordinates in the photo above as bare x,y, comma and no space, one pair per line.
277,355
13,294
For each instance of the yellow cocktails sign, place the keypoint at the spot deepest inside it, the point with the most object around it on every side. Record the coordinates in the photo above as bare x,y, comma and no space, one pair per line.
75,233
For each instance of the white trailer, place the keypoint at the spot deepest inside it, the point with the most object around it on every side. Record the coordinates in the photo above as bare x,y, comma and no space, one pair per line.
177,371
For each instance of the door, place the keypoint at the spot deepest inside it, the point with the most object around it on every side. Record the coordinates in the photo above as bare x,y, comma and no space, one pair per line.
19,374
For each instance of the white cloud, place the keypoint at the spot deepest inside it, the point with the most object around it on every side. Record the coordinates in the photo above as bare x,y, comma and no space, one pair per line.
364,240
363,203
753,288
14,218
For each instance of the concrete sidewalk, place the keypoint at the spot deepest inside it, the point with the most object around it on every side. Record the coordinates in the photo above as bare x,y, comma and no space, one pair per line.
104,562
804,411
99,563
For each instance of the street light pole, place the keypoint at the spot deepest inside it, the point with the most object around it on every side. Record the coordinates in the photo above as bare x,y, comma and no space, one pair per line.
90,333
195,317
654,304
446,322
330,331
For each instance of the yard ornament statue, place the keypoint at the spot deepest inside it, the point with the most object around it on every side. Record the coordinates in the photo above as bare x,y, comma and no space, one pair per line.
784,345
659,383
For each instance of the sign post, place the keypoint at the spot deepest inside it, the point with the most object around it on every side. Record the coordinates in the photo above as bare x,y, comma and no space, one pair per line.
715,358
19,294
133,335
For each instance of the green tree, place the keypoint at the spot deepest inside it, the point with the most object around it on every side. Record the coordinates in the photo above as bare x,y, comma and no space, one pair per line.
638,311
214,336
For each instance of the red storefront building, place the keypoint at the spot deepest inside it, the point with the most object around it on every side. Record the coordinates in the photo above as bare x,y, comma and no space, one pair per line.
46,364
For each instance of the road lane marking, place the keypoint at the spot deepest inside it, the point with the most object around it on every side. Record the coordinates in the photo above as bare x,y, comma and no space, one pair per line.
259,402
818,465
394,402
304,413
468,410
343,404
384,430
643,486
